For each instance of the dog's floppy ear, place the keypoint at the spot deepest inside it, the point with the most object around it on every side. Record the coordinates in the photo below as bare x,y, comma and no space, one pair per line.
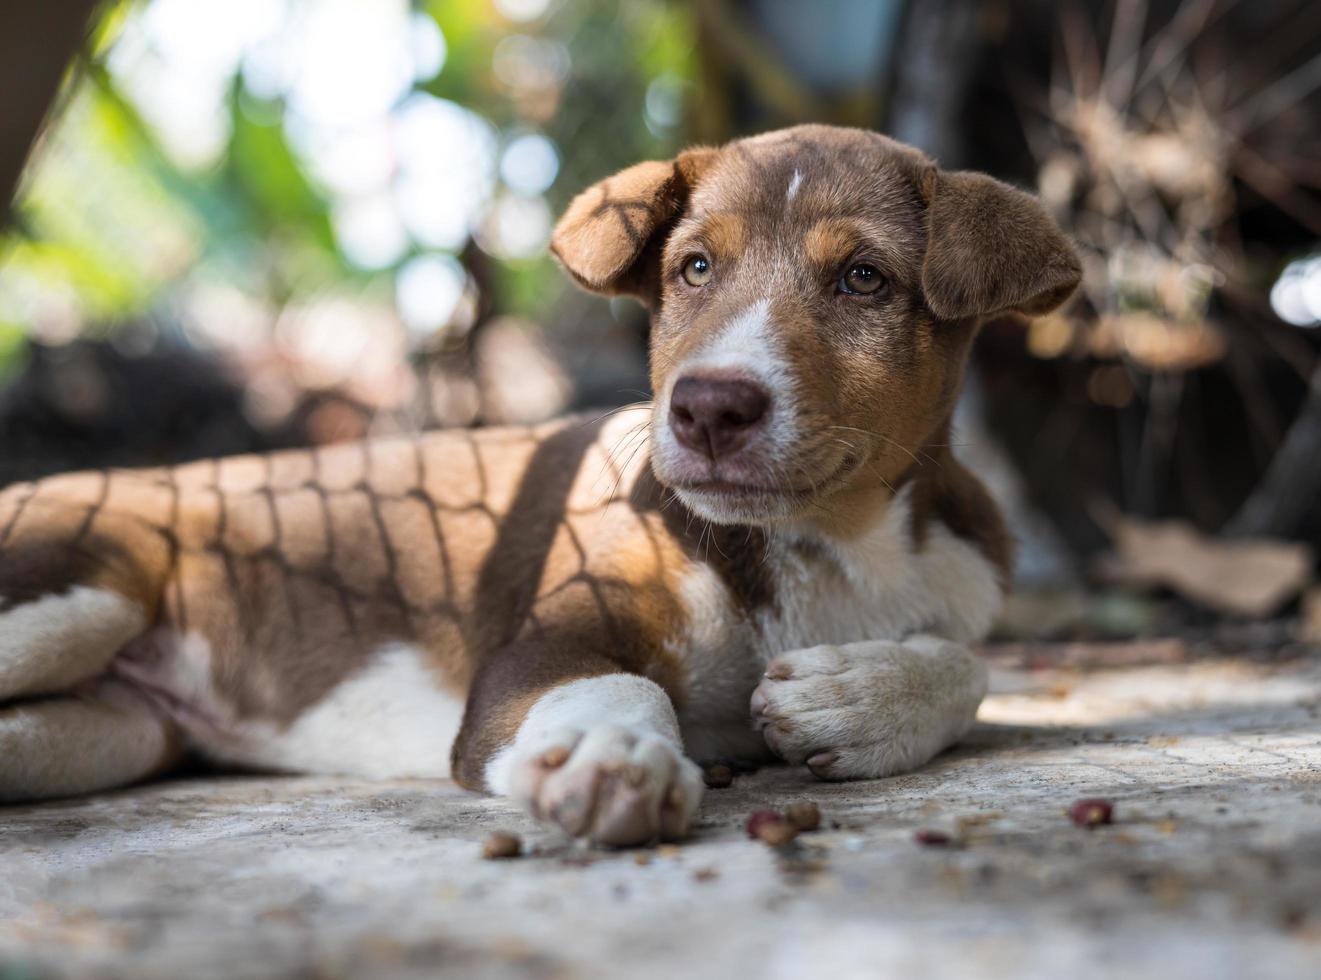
611,236
992,249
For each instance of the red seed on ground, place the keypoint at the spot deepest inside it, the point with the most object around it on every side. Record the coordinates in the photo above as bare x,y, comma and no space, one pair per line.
1092,813
759,818
932,838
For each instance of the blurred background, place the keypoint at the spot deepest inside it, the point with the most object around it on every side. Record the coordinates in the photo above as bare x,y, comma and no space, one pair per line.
247,224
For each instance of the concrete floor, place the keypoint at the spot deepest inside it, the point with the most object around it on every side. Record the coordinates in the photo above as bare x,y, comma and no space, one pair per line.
1213,868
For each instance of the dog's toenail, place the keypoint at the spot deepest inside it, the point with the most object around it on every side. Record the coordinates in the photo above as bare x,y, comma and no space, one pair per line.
758,703
555,757
822,760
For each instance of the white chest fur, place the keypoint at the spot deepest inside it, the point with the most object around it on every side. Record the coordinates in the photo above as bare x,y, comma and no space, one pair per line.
875,587
879,586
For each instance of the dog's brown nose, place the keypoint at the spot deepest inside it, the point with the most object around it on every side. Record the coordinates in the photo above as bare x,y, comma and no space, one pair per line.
716,416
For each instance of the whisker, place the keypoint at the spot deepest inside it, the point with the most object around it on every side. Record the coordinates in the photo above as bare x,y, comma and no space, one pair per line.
880,435
612,412
611,460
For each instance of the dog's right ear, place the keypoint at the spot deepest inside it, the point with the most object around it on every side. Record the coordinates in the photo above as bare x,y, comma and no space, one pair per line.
611,236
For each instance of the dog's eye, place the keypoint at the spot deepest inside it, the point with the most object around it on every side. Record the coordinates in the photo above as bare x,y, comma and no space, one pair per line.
862,278
697,270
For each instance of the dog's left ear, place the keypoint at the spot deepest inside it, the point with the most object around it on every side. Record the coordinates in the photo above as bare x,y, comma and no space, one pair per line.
611,236
992,249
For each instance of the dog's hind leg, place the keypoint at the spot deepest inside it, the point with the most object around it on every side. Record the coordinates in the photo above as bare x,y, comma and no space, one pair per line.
54,643
68,730
106,735
80,577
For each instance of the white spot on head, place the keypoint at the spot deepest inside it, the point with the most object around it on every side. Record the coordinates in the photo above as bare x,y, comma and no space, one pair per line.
794,184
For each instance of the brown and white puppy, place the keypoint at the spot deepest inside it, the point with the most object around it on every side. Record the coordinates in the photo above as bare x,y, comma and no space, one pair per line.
778,557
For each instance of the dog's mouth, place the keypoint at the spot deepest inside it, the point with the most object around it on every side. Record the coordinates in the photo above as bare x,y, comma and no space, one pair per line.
773,497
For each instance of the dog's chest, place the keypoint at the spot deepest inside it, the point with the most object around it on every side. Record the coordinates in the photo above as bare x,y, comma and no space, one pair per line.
879,586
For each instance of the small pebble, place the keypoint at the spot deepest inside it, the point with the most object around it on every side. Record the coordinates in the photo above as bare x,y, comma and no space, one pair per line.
500,845
932,838
1092,813
777,833
718,777
758,818
804,816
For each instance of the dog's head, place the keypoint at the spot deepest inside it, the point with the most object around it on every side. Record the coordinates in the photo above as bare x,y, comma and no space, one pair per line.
814,295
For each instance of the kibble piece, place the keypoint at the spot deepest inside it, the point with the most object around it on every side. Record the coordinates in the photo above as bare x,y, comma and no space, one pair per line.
932,838
718,777
1092,813
757,818
500,845
804,816
777,833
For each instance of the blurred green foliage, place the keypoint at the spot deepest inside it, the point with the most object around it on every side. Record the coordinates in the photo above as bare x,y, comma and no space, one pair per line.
110,227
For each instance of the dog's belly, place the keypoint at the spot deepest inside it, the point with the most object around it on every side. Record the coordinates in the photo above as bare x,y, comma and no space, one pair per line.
391,718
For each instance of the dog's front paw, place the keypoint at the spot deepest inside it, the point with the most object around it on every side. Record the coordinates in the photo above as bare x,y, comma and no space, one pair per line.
866,710
608,784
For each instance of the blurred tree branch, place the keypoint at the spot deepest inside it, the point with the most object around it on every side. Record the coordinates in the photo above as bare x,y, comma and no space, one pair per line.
38,38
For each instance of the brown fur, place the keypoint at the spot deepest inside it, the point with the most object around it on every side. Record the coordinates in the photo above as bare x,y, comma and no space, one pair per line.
519,559
993,249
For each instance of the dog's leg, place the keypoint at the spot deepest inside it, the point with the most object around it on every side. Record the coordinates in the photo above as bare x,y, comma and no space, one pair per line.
865,710
597,754
79,579
52,643
105,736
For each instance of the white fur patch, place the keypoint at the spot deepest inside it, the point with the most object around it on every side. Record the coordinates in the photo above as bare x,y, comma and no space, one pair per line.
746,345
794,183
390,720
600,757
107,736
58,641
626,700
879,587
872,709
875,587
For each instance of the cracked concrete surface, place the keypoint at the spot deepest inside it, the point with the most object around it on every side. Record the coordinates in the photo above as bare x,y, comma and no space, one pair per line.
1212,869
